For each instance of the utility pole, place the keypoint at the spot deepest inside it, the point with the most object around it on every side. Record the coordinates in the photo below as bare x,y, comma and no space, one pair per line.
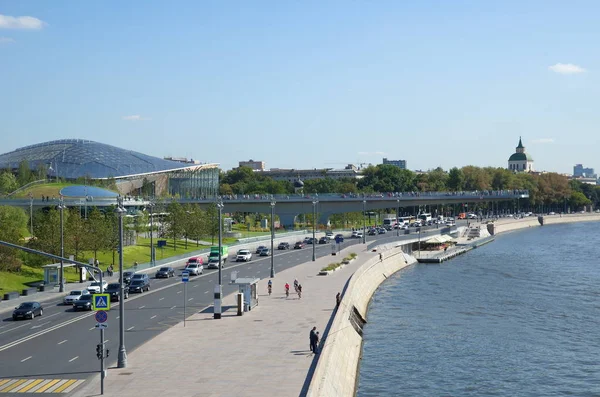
364,221
219,287
151,206
61,207
314,248
122,356
272,236
397,217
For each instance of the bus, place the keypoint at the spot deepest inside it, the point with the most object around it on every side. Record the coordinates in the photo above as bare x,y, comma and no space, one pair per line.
425,217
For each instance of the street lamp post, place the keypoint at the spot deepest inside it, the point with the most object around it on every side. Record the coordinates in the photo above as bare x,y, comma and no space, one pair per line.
314,248
122,357
272,236
151,206
419,242
364,222
31,214
397,217
219,287
61,207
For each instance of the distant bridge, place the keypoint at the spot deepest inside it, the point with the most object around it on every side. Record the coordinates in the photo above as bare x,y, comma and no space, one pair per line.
287,207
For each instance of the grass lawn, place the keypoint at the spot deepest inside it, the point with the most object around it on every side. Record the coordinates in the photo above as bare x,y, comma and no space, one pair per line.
18,281
46,189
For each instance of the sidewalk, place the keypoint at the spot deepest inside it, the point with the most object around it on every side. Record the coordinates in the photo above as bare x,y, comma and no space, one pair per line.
264,352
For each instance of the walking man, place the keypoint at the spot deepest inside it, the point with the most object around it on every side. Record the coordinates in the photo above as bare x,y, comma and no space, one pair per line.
316,345
338,299
313,335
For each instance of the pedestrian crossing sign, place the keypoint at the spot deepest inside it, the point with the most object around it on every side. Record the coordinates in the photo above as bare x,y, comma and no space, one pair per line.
101,302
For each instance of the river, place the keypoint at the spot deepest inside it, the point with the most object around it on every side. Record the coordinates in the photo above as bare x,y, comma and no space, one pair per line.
517,317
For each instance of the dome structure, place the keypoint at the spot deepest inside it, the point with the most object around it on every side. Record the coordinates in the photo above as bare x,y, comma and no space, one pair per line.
298,184
75,158
520,157
520,161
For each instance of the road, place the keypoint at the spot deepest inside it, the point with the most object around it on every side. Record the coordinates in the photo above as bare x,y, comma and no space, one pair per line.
62,343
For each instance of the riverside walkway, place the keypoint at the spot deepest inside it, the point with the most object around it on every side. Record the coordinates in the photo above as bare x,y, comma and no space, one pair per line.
264,352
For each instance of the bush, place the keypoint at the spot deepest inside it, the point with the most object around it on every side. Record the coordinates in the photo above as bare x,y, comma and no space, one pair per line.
353,255
332,266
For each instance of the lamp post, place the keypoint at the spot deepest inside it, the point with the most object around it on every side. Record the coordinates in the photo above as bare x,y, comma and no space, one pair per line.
419,242
364,222
61,207
219,287
397,217
151,206
314,248
272,236
31,214
122,358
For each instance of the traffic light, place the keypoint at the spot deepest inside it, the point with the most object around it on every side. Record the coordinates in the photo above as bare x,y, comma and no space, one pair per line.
99,351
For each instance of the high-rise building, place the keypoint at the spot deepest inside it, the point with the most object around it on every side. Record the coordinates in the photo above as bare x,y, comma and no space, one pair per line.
580,171
255,165
398,163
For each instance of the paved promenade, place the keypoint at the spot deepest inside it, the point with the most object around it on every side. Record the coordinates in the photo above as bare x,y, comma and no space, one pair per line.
264,352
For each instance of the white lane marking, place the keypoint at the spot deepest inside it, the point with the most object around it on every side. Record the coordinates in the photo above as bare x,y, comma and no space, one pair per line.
206,292
190,299
40,325
173,307
8,330
107,340
60,343
55,314
73,359
25,359
141,307
161,299
130,328
92,328
152,317
179,292
196,286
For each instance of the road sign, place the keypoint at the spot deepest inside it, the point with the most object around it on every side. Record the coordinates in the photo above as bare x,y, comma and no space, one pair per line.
101,325
185,277
101,316
101,302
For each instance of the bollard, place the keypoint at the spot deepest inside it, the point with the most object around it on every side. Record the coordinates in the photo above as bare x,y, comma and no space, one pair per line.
240,303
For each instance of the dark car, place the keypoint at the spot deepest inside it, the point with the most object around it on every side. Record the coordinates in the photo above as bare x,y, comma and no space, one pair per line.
140,285
265,252
339,237
382,231
114,289
324,240
140,276
299,244
127,277
165,272
27,310
260,248
311,240
372,232
83,303
283,246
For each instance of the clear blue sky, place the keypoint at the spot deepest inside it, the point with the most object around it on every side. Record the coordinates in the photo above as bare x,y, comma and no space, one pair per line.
303,84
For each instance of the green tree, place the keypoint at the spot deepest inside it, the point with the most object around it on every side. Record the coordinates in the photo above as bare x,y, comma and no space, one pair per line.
8,182
14,223
175,222
578,200
456,179
75,232
387,178
501,178
211,222
437,180
46,229
97,232
476,178
24,175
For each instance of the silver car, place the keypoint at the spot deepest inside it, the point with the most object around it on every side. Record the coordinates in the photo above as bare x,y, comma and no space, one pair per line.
74,296
194,269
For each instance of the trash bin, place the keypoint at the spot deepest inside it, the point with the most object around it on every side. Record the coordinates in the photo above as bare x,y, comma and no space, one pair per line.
41,287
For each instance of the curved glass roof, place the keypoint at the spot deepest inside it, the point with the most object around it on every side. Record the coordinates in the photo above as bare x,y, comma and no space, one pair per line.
86,191
74,158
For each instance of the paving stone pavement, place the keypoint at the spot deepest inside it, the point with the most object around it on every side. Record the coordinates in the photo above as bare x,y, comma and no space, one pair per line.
265,352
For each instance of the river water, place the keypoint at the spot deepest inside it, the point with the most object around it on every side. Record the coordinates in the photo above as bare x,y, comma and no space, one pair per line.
517,317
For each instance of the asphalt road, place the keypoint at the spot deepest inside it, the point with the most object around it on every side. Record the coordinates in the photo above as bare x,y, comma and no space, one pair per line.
62,343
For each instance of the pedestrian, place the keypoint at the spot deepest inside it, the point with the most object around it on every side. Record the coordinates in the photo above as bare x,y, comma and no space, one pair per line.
380,257
316,345
312,338
338,299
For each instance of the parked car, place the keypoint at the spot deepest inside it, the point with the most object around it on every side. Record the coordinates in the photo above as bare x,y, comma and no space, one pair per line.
114,290
74,295
83,303
194,269
265,252
323,240
94,288
127,277
283,246
165,272
140,285
260,248
27,310
299,245
243,255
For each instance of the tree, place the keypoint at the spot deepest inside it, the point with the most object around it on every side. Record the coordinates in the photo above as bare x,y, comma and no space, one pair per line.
96,232
175,222
456,179
75,232
211,222
475,178
24,175
8,182
46,230
578,200
387,178
14,223
437,180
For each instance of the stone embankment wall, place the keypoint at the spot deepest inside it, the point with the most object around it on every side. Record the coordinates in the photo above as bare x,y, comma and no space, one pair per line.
503,226
337,369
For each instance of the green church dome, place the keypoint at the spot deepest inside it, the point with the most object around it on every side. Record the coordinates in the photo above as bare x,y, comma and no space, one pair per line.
520,157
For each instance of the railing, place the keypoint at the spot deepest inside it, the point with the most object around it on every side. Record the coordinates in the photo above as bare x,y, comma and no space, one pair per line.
40,181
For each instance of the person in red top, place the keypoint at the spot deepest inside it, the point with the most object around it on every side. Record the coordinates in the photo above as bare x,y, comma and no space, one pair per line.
287,289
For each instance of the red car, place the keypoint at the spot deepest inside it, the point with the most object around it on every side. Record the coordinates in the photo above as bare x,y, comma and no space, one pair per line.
299,245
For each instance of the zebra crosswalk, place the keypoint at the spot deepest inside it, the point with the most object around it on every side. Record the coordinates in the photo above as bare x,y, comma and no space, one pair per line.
39,385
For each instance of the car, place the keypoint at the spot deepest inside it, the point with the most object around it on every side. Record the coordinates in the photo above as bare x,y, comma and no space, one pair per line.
114,290
339,235
243,255
194,269
382,231
450,223
83,303
94,288
310,240
299,245
354,234
265,252
213,263
195,259
27,310
329,234
551,213
74,295
140,285
165,272
323,240
372,232
127,277
140,276
260,248
283,246
360,235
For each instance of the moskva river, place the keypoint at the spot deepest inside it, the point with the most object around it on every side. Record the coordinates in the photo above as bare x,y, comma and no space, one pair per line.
517,317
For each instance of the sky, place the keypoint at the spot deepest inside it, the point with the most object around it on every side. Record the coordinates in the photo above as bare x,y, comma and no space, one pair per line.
307,84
